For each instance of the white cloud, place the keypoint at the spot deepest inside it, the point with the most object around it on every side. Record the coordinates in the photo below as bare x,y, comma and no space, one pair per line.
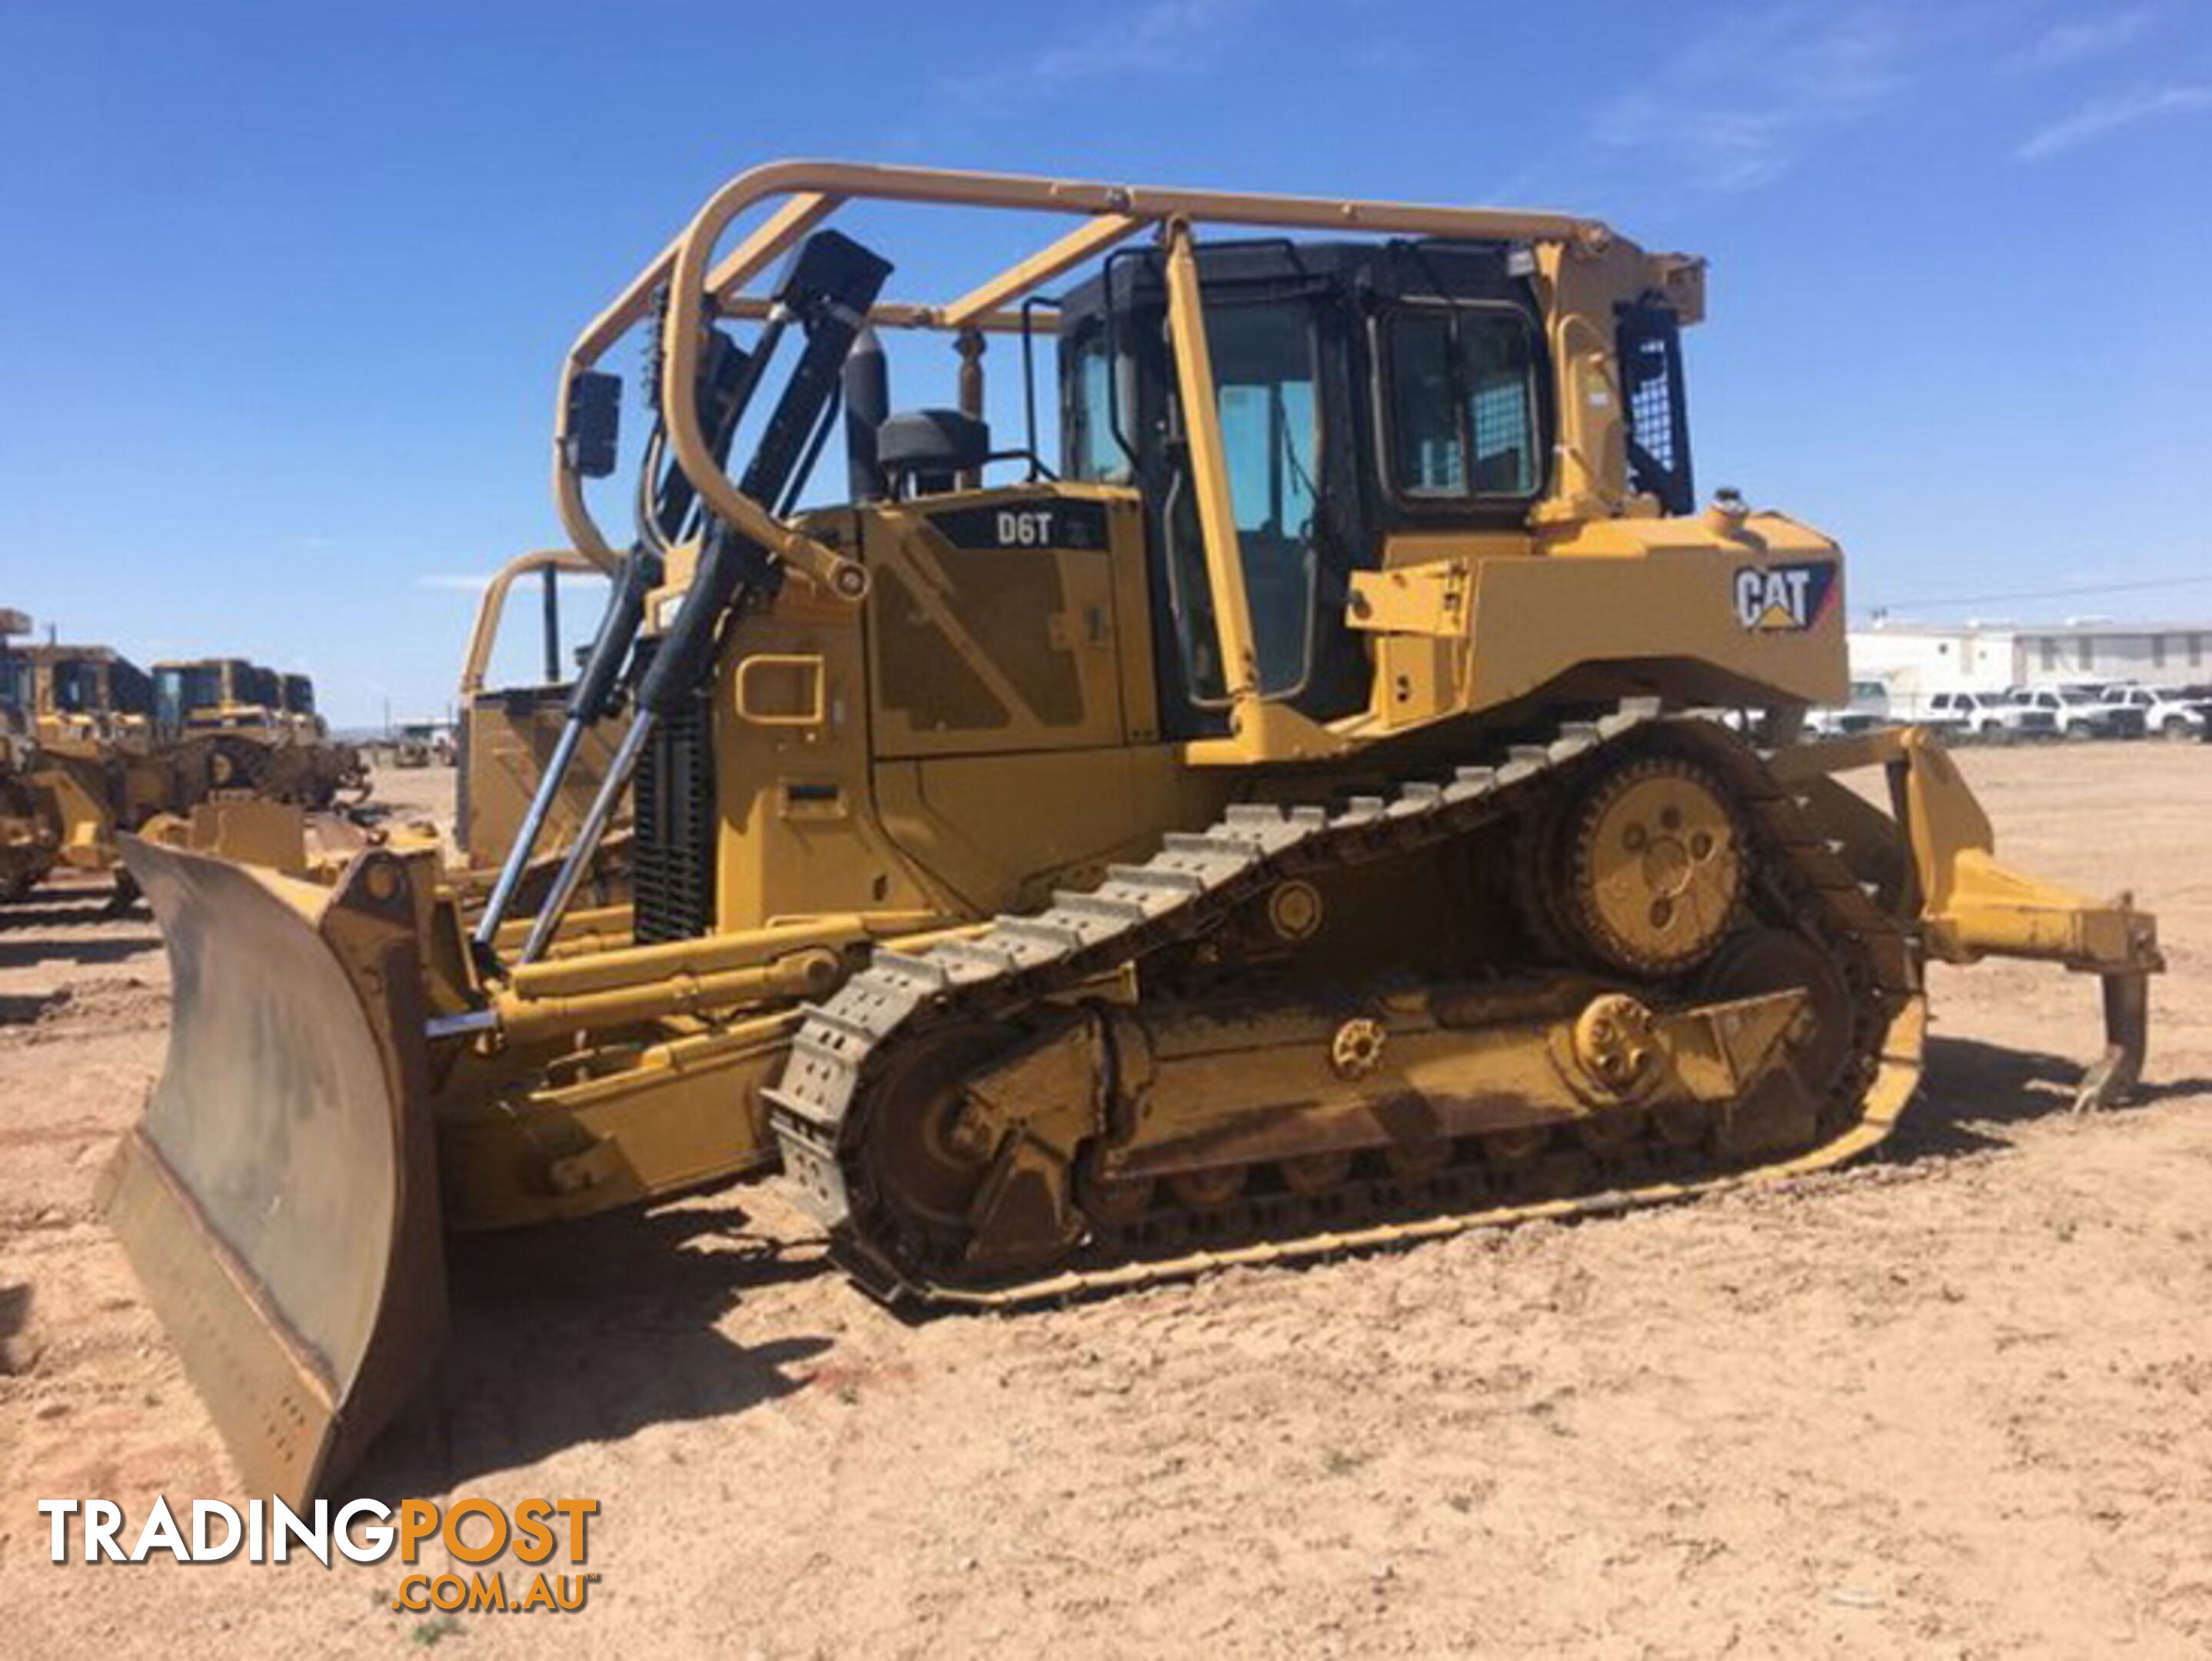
1736,107
1163,37
2070,43
460,582
2110,115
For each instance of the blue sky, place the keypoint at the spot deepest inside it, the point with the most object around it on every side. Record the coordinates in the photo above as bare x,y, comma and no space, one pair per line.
285,285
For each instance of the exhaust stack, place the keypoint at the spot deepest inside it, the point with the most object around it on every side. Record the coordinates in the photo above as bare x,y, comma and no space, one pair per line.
867,405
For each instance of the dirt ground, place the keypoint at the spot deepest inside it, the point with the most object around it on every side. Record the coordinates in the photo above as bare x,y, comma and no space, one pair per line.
1956,1401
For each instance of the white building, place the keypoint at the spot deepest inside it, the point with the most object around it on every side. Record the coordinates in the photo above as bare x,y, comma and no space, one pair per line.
2154,654
1916,660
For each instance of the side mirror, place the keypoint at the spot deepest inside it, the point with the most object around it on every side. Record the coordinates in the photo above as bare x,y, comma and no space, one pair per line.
591,433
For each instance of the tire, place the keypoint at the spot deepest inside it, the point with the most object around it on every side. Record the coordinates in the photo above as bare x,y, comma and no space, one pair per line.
2177,730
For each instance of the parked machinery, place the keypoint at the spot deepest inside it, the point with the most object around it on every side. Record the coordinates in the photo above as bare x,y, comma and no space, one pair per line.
509,734
29,838
101,769
334,765
248,730
29,835
1279,825
410,744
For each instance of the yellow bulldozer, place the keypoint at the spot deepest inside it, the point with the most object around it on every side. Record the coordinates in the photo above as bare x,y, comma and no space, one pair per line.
30,836
1287,818
500,749
89,757
244,730
507,733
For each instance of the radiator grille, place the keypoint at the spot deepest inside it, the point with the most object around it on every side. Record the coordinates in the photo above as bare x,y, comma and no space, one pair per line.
672,871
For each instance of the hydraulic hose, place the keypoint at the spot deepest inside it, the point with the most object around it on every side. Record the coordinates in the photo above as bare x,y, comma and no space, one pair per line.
686,652
827,290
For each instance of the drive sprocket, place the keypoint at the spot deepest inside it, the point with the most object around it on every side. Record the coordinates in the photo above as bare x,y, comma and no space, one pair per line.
1649,868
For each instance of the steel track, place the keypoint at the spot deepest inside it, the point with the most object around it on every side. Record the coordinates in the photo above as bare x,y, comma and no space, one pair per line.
821,1108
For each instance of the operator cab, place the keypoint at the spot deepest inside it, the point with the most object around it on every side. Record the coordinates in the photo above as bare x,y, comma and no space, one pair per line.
1363,389
96,682
222,692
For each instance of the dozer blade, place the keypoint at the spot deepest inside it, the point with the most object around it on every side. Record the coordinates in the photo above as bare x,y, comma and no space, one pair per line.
279,1198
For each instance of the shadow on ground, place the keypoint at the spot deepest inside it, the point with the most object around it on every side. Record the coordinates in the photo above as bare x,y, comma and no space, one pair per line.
14,1316
588,1332
60,948
1972,1091
76,905
592,1331
76,924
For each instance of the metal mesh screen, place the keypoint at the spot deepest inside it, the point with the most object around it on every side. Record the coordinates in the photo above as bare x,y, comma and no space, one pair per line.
1651,402
1648,344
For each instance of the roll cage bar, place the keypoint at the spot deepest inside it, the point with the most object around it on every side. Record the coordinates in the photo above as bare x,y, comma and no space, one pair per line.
483,635
699,288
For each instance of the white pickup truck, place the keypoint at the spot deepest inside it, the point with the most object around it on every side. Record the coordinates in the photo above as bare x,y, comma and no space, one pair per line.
1868,708
2164,714
1993,717
2081,712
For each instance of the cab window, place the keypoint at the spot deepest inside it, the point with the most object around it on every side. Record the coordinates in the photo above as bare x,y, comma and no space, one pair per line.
75,692
1265,392
1462,403
1091,450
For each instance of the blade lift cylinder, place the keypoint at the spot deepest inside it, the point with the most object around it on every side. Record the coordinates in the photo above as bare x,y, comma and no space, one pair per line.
828,288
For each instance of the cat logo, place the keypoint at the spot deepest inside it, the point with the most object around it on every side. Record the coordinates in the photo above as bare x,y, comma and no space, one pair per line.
1772,599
